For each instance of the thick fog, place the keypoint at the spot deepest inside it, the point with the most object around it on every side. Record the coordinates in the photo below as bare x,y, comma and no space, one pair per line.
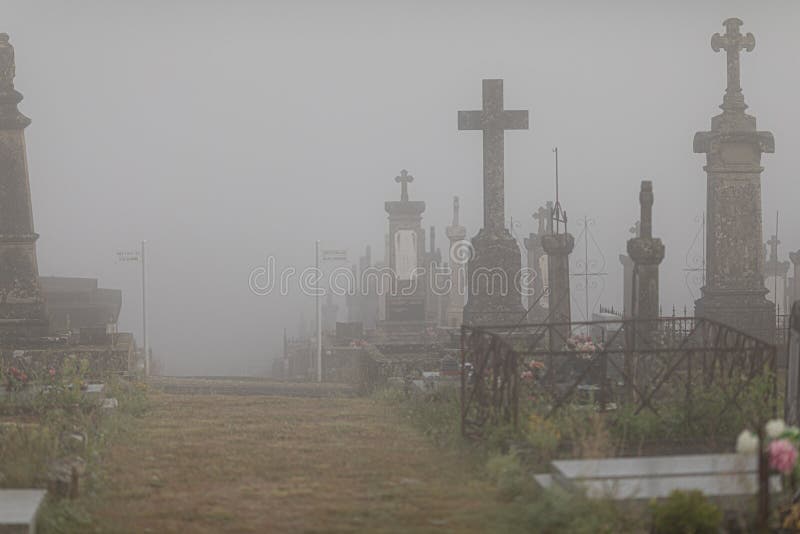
222,132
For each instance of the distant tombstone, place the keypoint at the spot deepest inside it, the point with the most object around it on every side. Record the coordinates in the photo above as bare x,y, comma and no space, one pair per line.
405,300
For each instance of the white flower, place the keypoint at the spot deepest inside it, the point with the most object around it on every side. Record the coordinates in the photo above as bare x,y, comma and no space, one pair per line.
747,442
775,428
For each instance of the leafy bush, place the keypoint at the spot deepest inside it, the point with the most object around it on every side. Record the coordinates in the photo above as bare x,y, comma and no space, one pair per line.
686,513
507,472
555,511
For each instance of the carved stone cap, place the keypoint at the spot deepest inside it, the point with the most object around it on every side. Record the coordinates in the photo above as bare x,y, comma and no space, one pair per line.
404,208
646,251
558,244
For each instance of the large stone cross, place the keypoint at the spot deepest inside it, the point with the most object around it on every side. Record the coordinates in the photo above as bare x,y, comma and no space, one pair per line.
493,120
773,248
732,42
404,179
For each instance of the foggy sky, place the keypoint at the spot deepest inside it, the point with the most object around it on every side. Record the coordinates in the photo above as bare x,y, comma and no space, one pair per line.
222,133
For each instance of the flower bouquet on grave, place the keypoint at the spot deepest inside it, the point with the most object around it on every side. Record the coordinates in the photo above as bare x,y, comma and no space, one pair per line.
15,379
530,376
583,346
781,449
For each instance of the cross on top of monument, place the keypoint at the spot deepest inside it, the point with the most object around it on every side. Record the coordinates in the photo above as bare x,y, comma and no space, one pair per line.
541,216
404,179
733,42
493,121
773,248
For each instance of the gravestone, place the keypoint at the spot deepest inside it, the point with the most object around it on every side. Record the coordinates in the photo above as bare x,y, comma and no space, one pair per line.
433,298
456,234
405,300
647,253
734,292
18,510
537,263
655,477
22,309
494,269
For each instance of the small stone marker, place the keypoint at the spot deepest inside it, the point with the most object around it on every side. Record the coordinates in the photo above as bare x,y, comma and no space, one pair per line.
716,475
18,509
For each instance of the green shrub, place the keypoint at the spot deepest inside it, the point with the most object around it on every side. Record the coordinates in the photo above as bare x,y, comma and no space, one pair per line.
507,472
555,511
685,513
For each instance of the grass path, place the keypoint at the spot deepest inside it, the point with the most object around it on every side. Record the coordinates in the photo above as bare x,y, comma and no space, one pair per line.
213,463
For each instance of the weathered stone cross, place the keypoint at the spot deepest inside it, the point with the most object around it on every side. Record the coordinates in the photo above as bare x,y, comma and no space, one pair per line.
493,120
404,179
732,42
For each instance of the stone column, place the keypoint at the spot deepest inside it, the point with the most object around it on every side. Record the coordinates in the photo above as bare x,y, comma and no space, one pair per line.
795,257
457,259
647,253
734,293
627,285
22,309
558,247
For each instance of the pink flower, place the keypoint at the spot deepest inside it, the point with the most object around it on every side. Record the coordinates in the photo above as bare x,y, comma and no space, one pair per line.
782,455
52,372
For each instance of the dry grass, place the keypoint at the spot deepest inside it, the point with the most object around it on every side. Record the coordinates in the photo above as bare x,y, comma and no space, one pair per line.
210,463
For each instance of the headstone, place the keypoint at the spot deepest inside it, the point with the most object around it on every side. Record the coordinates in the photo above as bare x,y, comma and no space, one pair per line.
433,298
457,259
734,293
405,300
647,253
537,263
493,271
18,510
22,310
655,477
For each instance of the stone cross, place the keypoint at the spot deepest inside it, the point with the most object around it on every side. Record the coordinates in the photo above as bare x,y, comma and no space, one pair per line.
732,42
493,120
541,216
404,179
773,248
455,211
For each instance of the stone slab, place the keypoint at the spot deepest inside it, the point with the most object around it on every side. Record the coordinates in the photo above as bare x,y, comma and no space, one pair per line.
18,509
716,475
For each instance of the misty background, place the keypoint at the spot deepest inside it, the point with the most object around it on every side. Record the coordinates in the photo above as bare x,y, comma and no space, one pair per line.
223,132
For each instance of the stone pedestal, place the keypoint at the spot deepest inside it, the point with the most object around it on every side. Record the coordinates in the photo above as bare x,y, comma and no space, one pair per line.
734,293
22,309
558,247
493,274
647,253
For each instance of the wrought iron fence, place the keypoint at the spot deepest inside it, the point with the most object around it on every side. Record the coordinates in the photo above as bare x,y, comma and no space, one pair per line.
664,367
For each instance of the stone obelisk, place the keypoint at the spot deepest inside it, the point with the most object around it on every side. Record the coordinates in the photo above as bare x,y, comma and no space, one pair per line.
457,258
647,253
22,310
494,270
734,293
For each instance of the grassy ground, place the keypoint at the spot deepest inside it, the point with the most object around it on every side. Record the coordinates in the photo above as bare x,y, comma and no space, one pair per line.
212,463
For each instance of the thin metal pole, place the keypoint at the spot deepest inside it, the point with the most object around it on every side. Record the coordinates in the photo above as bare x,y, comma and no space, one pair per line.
775,268
144,313
319,317
586,268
